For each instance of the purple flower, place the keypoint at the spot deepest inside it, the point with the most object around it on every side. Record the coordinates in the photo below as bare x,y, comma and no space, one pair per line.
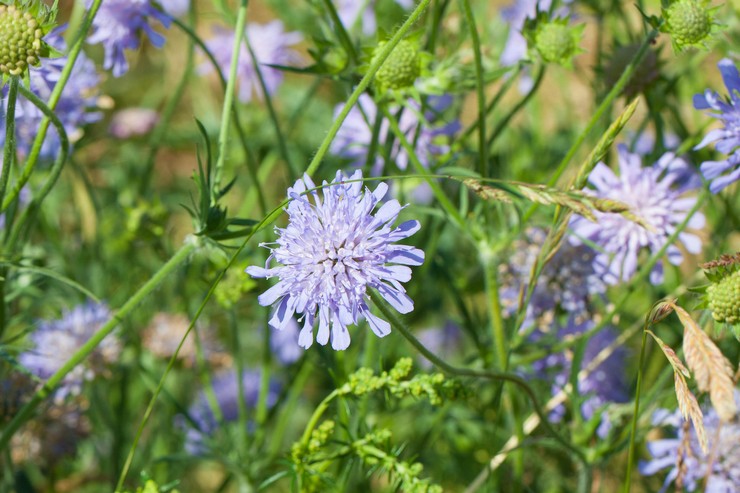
603,384
566,283
443,341
176,8
652,195
76,108
133,122
226,391
355,135
720,467
351,12
271,46
727,140
331,252
57,340
284,343
118,25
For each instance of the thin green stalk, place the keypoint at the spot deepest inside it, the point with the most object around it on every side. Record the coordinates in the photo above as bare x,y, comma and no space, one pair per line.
316,416
242,411
264,392
53,382
363,84
494,102
281,141
480,88
241,22
633,432
251,160
157,136
9,149
606,103
56,94
397,324
344,38
420,170
521,104
297,384
494,311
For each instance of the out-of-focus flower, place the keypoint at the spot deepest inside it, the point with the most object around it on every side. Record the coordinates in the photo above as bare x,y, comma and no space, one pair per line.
52,436
331,252
76,108
652,195
133,122
516,15
15,389
727,140
353,12
57,340
603,385
118,26
176,8
443,341
566,283
204,422
356,133
719,467
166,330
284,343
271,46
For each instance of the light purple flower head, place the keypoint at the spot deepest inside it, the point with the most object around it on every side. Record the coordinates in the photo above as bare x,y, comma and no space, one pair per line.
118,26
603,384
176,8
76,108
271,46
566,284
284,343
720,467
352,12
331,252
57,340
226,391
355,135
727,140
443,341
653,195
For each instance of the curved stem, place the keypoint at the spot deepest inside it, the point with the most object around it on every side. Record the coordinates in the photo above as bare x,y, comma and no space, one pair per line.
78,357
363,84
9,148
633,430
521,104
56,94
467,372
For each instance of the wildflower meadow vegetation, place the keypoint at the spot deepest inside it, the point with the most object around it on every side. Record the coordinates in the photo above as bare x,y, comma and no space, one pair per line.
369,246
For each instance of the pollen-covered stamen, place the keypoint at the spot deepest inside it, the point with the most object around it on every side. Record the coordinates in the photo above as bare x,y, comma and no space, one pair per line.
20,40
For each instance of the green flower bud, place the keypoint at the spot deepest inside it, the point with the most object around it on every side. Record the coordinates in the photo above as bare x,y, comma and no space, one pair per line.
402,67
557,42
690,23
20,40
724,299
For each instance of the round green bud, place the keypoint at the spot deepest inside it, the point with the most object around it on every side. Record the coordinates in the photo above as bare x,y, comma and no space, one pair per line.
401,68
688,21
556,42
724,299
20,40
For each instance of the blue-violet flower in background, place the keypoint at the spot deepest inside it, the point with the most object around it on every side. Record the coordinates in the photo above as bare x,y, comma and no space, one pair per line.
57,340
356,133
652,195
271,46
118,26
331,252
204,422
719,467
727,140
352,12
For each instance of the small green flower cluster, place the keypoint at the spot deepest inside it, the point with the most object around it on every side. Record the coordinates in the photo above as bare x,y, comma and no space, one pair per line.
723,294
22,28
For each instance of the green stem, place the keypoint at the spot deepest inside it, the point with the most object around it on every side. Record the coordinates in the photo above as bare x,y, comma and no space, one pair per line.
241,22
316,416
56,94
53,382
9,149
516,109
633,432
606,103
494,311
494,102
363,84
468,372
344,38
480,88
